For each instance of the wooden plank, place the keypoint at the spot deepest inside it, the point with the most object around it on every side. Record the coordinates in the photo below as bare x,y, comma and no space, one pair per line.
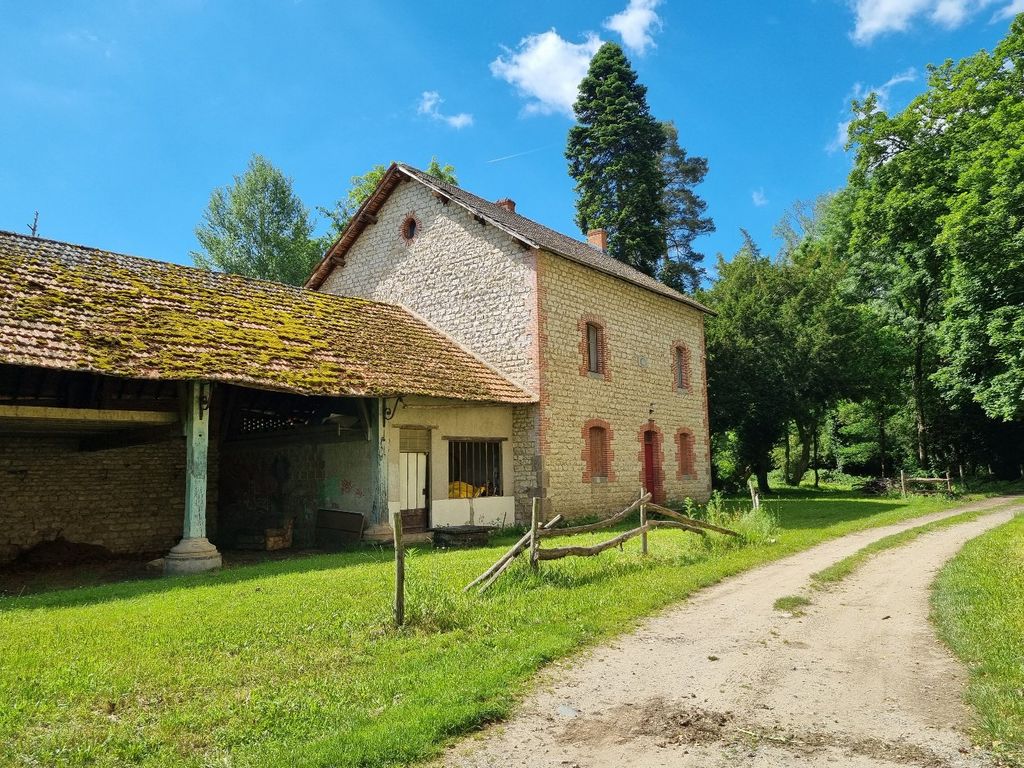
399,572
598,525
560,552
503,562
674,524
535,536
689,520
643,524
88,415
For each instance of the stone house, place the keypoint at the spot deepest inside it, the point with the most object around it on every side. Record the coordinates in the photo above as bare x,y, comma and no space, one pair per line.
615,358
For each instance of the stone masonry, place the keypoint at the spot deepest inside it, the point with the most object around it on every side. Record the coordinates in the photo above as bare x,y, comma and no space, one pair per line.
129,500
641,330
523,312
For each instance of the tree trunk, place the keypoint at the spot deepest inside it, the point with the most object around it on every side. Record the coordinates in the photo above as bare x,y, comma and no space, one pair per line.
798,468
762,479
815,462
882,442
919,376
787,469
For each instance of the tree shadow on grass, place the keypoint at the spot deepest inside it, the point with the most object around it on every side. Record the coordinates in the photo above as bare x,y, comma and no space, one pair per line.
238,574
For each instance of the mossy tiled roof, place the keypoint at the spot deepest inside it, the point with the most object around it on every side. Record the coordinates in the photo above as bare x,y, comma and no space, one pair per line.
71,307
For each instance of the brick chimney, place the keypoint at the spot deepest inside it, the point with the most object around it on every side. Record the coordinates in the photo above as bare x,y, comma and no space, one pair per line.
508,204
598,238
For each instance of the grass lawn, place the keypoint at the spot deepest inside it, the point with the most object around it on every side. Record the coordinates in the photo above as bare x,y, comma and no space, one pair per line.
978,605
293,662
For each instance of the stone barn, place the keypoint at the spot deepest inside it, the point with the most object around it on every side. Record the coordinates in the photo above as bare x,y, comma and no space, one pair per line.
152,408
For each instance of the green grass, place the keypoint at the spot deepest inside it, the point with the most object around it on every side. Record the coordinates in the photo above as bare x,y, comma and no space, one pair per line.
978,606
293,662
843,568
792,604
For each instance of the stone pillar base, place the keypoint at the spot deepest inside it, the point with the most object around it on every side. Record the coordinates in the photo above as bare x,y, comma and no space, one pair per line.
192,556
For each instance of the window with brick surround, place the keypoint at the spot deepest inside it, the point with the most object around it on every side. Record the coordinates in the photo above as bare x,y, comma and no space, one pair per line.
593,347
598,453
680,367
684,453
598,457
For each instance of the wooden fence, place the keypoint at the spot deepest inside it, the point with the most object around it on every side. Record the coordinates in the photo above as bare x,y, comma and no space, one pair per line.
906,481
538,532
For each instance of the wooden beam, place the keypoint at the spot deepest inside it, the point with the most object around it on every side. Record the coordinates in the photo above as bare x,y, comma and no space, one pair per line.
128,437
367,218
197,440
87,415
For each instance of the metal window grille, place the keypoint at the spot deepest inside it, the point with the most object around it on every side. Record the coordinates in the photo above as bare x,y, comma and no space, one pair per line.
474,468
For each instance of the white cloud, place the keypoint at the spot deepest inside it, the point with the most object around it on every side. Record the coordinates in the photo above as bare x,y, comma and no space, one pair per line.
860,92
1009,11
636,23
877,17
430,105
758,198
547,69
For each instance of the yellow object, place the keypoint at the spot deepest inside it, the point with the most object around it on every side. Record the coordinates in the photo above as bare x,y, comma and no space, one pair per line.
461,490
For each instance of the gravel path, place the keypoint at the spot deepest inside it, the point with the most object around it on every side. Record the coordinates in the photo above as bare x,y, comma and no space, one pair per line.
723,679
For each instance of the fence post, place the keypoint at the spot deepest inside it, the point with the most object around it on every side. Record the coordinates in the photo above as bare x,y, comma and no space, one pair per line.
643,522
903,483
949,483
399,571
534,536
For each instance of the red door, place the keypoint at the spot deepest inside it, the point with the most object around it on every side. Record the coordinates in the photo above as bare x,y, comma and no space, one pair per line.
650,466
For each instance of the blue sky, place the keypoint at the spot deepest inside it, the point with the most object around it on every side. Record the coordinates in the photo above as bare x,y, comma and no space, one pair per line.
121,116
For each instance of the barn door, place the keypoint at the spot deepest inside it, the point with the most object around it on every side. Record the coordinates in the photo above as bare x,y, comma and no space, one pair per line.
414,478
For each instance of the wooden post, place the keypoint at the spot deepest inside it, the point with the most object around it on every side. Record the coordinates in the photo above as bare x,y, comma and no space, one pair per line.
903,483
194,552
399,571
643,522
534,535
949,483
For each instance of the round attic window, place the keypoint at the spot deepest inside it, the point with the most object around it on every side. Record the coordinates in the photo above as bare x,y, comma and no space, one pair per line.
410,228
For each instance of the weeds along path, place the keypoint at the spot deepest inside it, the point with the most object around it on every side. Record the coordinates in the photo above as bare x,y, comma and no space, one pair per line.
858,679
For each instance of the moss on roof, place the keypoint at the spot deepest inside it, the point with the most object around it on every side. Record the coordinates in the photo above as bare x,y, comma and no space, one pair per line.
76,308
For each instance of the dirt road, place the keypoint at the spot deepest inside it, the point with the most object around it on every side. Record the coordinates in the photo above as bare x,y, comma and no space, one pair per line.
860,680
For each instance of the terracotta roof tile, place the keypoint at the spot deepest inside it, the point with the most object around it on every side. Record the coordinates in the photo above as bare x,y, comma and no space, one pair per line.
71,307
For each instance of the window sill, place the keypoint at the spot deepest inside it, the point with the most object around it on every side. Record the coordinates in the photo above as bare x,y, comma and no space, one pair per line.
598,376
599,480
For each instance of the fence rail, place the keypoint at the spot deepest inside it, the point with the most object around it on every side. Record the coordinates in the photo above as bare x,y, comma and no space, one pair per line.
538,532
906,480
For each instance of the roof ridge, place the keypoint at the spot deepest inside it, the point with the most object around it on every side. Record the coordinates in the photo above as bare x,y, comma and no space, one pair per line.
571,248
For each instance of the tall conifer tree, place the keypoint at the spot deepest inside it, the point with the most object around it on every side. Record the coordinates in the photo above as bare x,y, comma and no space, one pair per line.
614,154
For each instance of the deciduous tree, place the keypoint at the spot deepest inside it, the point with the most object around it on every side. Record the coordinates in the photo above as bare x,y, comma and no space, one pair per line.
258,227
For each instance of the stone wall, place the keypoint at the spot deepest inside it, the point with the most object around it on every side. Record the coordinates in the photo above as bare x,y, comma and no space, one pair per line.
129,500
641,329
472,281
